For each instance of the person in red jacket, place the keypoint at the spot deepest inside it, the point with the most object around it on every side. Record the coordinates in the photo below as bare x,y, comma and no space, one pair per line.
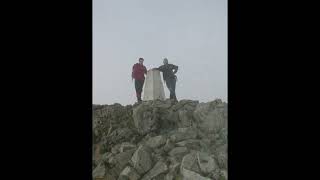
138,71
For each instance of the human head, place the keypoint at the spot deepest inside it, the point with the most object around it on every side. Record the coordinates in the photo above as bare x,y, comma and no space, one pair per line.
165,61
141,60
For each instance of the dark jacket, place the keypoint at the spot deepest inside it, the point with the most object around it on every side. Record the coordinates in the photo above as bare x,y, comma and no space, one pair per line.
138,71
168,70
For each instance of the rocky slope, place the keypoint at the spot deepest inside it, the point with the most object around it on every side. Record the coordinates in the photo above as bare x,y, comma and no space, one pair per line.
159,140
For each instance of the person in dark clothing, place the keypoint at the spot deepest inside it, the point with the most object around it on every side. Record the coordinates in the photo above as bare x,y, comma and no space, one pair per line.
138,71
169,71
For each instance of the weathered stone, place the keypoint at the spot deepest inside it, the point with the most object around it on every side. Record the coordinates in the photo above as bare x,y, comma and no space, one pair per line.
173,171
156,141
121,160
126,146
129,173
211,116
194,144
141,160
190,175
178,151
159,168
145,119
190,162
183,134
168,146
99,171
206,163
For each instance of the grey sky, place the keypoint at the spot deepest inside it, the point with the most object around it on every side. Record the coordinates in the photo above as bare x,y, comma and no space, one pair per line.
190,33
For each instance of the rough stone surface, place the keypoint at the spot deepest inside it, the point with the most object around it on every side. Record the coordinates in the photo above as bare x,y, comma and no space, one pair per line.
129,173
156,141
190,162
142,161
160,140
190,175
159,168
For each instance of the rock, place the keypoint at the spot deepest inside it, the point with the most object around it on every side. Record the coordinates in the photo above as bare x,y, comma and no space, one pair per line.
190,175
120,160
223,175
210,117
194,144
183,134
126,146
190,162
141,160
168,146
99,171
206,163
178,151
159,168
129,173
185,118
145,118
173,171
156,141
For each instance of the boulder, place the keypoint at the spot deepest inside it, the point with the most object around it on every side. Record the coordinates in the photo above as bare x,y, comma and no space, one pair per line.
159,168
156,141
129,173
141,160
190,175
145,118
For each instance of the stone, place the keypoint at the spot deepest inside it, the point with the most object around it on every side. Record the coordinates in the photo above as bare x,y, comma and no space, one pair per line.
168,146
126,146
178,151
190,162
120,160
210,117
206,163
99,171
153,88
145,119
173,171
156,141
141,160
183,134
190,175
129,173
159,168
194,144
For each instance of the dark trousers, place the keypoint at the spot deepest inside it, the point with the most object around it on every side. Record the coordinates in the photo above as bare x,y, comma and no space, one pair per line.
138,85
171,84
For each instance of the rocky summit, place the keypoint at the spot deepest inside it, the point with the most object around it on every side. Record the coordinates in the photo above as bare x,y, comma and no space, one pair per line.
160,140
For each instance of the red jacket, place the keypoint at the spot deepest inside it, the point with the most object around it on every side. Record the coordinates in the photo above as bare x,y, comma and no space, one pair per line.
138,71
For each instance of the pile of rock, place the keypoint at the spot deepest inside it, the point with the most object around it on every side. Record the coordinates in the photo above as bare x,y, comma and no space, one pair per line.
159,140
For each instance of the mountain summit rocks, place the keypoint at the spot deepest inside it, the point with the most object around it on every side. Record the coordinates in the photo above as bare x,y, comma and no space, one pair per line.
160,140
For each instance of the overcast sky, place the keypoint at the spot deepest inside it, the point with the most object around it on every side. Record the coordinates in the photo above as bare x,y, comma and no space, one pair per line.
192,34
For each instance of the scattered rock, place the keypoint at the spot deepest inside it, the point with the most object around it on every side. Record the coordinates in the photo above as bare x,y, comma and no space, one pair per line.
185,140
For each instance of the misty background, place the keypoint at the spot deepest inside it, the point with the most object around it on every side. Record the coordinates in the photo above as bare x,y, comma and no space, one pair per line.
192,34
